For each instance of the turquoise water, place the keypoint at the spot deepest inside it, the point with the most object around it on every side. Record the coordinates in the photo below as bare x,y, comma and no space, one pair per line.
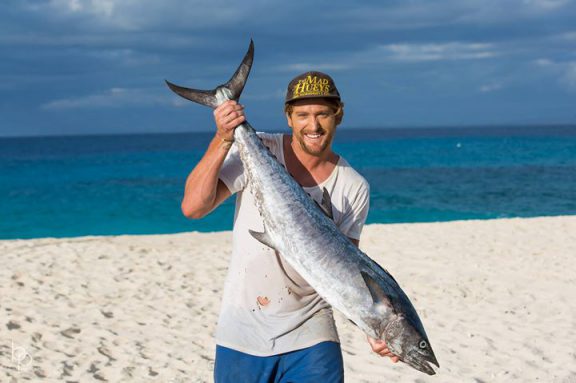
107,185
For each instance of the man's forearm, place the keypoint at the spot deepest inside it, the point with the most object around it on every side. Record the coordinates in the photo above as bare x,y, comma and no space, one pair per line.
200,193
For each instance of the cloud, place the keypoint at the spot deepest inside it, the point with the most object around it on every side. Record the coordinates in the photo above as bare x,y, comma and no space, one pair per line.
114,98
320,66
115,53
570,74
569,36
422,14
133,15
544,63
498,11
278,94
416,52
546,4
490,87
95,7
374,56
257,14
565,71
438,52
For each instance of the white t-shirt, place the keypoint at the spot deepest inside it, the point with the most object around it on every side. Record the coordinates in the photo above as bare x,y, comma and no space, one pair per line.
267,307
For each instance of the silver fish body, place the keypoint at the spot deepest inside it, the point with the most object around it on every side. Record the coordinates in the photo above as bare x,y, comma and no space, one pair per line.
305,237
313,245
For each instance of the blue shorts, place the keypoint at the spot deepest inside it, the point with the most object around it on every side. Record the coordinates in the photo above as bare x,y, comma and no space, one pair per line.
319,363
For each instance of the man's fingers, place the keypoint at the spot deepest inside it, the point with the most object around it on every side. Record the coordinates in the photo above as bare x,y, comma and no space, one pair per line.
373,342
380,348
234,121
232,116
384,352
377,345
393,358
229,116
228,107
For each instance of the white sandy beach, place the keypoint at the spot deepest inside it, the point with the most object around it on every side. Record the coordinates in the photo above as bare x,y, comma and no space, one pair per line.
497,298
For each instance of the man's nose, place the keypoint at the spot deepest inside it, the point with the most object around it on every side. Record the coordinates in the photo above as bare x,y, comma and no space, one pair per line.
317,121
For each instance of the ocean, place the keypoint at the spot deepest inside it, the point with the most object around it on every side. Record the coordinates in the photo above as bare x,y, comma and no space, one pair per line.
133,184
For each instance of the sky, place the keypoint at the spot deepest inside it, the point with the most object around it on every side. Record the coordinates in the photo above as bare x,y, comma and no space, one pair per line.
74,67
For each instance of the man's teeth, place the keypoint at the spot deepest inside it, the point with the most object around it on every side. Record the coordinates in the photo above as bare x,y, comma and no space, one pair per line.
313,135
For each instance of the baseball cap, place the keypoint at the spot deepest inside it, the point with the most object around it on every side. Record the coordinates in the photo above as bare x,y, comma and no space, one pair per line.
311,85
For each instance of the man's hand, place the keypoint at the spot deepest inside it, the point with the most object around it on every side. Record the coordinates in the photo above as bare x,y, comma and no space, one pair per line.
227,117
380,348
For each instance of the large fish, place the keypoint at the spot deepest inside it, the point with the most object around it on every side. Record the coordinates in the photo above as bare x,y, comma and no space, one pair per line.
303,233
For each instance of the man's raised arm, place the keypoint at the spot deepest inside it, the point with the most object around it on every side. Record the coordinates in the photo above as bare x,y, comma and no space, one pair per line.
204,190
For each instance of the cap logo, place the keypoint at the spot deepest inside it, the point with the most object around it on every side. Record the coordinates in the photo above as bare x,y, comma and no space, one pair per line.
311,86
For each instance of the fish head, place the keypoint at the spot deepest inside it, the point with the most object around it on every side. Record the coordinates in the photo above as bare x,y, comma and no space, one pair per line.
397,323
410,343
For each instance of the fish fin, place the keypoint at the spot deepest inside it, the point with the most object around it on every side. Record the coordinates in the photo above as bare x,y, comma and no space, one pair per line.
238,80
204,97
378,295
234,86
326,204
262,237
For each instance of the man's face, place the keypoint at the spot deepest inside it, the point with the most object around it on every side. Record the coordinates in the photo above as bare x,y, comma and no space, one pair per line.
313,124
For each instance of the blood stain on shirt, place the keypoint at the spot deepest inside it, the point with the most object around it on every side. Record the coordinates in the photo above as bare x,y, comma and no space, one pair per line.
262,301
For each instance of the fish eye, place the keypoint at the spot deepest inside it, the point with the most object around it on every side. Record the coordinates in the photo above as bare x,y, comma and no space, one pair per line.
423,344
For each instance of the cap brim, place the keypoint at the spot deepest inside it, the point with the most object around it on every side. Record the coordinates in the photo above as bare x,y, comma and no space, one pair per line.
312,97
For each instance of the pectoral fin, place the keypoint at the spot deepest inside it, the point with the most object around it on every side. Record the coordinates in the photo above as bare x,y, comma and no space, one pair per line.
326,205
378,295
263,238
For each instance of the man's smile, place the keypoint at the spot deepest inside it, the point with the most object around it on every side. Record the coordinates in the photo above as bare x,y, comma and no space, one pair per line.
313,136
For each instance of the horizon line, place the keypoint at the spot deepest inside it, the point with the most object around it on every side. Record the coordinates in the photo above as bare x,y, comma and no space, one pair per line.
347,128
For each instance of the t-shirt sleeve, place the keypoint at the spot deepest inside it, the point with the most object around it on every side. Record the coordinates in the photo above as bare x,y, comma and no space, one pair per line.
355,216
232,171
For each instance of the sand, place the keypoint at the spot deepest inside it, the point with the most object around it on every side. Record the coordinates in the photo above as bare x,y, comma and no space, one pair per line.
497,298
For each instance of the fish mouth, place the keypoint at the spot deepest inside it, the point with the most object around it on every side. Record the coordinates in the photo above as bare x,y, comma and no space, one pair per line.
422,363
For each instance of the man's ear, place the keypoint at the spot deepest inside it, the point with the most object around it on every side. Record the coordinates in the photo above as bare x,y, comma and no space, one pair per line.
339,118
289,120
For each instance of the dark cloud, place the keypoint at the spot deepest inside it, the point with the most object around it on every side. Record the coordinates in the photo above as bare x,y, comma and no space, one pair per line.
84,66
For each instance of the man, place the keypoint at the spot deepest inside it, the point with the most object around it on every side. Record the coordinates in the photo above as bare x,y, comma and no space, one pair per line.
273,326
